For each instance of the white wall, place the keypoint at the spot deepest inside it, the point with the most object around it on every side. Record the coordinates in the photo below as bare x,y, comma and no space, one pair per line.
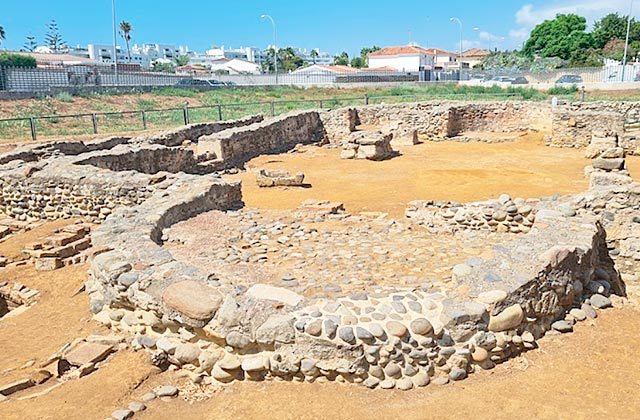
401,62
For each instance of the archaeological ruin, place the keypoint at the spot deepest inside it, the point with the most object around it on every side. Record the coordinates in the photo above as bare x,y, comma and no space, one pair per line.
189,274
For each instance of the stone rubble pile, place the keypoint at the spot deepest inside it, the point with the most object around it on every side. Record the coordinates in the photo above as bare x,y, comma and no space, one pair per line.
500,215
14,296
278,178
608,166
371,145
68,245
74,360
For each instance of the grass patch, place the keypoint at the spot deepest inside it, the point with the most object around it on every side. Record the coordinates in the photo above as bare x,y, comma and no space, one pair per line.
563,90
64,97
175,92
144,104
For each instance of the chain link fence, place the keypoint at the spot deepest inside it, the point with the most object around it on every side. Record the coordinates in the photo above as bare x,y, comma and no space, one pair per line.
35,127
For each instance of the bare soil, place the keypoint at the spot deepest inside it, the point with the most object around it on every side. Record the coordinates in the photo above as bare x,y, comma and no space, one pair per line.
432,170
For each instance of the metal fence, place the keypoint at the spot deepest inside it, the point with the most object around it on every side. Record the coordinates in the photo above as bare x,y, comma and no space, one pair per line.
44,79
129,121
587,75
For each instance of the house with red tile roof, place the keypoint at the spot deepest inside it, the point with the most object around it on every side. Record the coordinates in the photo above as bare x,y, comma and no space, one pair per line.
405,58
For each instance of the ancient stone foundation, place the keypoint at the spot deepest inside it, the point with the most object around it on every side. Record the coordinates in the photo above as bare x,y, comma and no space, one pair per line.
555,261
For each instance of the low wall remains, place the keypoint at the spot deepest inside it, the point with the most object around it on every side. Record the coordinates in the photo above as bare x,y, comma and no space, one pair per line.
236,146
437,120
390,337
574,124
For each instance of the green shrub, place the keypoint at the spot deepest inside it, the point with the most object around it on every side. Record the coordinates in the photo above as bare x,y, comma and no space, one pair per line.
64,97
563,90
16,60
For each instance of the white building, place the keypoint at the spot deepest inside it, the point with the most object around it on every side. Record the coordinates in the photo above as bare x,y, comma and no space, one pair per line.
321,58
235,66
323,70
144,55
252,54
407,58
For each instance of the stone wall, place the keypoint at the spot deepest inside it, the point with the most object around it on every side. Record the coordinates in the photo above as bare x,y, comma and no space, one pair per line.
193,132
574,123
60,191
501,215
148,159
236,146
437,120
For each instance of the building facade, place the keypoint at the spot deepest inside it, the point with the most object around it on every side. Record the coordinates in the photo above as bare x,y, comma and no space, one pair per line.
407,58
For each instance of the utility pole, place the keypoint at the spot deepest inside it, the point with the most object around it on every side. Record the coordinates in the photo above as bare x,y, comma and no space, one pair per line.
275,42
626,42
455,19
115,51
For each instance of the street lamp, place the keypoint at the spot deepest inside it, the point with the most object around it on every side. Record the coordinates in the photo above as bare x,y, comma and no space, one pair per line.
275,43
455,19
626,42
115,51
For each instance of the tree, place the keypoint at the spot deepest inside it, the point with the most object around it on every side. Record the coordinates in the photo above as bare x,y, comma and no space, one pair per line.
3,34
268,63
614,49
358,62
613,26
30,44
289,60
182,60
163,67
16,60
341,60
125,33
564,37
364,53
53,38
314,55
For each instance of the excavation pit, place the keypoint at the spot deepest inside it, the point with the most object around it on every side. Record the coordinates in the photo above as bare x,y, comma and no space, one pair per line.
231,283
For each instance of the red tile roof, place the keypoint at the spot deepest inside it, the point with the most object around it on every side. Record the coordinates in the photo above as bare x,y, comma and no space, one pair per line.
399,50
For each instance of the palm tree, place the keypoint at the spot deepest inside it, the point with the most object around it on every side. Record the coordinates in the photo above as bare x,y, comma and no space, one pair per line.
314,54
125,32
2,34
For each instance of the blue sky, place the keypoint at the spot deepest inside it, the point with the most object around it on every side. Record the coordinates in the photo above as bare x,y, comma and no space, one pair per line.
331,25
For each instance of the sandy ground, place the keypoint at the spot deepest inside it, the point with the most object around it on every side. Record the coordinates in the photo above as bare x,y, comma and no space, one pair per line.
431,170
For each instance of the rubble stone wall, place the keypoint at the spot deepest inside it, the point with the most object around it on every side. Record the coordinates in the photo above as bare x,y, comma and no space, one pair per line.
149,159
51,194
437,120
276,135
574,123
193,132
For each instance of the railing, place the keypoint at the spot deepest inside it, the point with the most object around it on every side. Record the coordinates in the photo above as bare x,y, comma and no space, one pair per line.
129,121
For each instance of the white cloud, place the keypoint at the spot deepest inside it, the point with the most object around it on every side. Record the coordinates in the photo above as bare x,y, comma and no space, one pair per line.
529,15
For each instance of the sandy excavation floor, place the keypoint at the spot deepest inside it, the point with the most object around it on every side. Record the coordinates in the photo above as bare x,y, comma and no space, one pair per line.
439,171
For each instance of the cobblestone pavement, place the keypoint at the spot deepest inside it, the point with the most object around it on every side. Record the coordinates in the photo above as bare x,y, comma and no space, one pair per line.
320,257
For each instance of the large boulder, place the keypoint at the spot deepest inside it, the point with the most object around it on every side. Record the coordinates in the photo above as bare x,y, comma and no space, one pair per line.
193,299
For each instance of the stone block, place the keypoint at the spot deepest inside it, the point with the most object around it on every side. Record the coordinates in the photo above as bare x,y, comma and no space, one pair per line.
193,299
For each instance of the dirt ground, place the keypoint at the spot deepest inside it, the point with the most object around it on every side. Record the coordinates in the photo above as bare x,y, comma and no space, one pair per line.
431,170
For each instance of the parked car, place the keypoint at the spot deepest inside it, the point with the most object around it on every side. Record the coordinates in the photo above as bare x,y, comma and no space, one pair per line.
569,79
519,80
199,82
